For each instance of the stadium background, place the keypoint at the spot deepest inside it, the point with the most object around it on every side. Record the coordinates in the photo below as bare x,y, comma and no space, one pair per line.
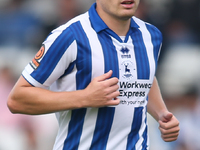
24,24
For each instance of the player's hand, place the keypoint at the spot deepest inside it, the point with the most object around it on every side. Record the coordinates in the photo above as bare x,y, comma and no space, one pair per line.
169,127
102,91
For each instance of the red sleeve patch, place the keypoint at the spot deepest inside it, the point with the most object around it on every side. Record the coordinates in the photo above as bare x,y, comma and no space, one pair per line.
40,53
35,61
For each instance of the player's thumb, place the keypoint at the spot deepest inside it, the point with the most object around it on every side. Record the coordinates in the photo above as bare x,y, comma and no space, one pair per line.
167,117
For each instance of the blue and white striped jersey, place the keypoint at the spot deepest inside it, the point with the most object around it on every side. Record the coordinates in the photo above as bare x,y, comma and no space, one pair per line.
84,48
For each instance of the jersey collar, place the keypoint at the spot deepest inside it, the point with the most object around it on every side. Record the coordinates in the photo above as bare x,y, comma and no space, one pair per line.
98,24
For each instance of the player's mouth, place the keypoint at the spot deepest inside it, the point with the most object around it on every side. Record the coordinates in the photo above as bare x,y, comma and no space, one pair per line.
128,3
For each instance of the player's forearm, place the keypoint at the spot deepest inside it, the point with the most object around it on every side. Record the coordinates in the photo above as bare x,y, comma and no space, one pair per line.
32,100
156,105
26,99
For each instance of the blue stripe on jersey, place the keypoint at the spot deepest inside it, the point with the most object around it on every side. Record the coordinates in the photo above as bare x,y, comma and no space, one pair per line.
133,136
75,129
106,114
102,129
110,54
144,135
143,69
52,56
84,60
156,37
144,143
83,78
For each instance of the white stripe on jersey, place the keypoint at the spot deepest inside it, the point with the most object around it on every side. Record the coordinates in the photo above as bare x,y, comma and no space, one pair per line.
63,119
130,46
121,131
68,57
91,114
96,48
88,128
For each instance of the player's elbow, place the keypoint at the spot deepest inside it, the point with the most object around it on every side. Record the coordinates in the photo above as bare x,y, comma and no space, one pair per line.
12,105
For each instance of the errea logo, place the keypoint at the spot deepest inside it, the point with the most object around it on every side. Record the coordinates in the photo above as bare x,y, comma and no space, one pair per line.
125,52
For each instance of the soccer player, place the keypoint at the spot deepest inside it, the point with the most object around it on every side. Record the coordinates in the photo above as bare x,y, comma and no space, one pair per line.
97,73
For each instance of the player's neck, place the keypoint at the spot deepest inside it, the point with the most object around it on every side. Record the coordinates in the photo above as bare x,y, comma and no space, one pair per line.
120,27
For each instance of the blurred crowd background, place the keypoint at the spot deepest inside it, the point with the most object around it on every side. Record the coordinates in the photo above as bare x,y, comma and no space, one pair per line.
24,25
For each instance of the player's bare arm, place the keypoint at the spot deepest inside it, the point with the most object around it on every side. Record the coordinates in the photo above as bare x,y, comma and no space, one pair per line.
168,124
27,99
155,104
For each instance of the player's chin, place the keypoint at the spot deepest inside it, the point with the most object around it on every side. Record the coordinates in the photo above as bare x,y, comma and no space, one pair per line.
127,15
